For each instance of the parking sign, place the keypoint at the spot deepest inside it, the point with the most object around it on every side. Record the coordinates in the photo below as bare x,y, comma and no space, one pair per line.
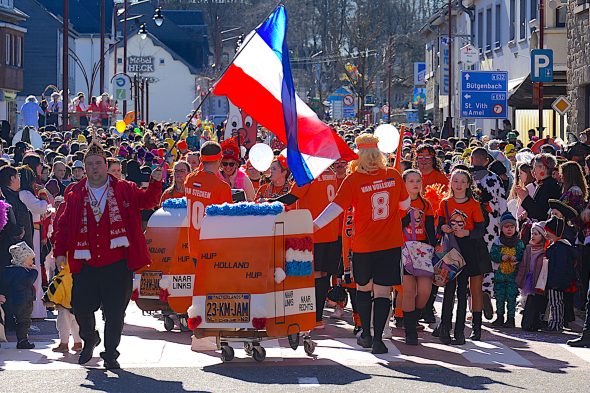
542,65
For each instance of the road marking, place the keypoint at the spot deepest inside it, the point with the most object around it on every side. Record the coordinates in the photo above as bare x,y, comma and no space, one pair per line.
308,382
582,353
492,352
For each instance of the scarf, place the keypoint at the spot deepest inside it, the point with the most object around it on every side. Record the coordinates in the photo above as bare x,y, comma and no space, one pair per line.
117,232
509,241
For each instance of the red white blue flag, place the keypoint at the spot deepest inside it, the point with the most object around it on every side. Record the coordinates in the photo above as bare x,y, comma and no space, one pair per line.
259,81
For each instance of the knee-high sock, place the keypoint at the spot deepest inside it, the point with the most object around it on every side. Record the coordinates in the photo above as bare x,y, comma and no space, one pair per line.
322,285
381,306
363,304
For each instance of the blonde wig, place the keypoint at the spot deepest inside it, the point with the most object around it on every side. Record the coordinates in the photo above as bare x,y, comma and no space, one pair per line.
370,158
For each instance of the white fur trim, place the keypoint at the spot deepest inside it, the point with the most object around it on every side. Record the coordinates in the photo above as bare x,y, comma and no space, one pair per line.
301,256
82,254
165,283
119,242
192,311
280,275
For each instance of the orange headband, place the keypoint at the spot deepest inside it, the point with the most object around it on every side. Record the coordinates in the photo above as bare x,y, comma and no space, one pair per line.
367,145
216,157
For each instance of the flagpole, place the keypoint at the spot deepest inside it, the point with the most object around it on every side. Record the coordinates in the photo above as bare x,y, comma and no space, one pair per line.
210,90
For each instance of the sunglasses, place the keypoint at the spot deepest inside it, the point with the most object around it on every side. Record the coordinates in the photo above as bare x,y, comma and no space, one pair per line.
230,164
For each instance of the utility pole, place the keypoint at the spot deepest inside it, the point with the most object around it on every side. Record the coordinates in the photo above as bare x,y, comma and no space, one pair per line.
541,46
450,116
66,76
125,5
102,33
389,76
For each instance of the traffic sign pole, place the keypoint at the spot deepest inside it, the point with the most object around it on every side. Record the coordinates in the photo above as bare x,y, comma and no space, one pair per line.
541,46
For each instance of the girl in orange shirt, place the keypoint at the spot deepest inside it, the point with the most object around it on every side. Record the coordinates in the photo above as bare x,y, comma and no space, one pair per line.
417,289
461,215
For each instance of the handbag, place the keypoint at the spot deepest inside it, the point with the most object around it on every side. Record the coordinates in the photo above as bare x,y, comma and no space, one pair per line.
2,325
59,291
417,255
448,259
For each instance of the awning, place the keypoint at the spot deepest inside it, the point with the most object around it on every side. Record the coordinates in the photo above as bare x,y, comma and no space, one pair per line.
520,94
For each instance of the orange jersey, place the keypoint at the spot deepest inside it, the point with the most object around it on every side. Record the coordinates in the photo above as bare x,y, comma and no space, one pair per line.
347,232
314,197
375,201
434,177
170,194
202,189
341,217
421,209
461,215
268,191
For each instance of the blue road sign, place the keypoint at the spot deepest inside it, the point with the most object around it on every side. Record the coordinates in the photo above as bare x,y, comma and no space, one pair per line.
542,65
484,94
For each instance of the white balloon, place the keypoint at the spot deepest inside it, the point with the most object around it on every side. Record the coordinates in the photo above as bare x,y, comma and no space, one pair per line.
261,157
388,138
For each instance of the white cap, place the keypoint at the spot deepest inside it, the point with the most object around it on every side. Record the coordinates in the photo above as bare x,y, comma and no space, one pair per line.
78,164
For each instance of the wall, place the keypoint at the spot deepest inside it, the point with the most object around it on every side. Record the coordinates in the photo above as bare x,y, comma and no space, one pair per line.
578,27
88,50
171,96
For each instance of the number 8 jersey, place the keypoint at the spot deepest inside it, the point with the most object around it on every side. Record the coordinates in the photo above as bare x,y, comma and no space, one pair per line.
375,202
202,189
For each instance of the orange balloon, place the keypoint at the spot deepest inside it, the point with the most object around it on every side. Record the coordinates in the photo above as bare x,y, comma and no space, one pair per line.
129,117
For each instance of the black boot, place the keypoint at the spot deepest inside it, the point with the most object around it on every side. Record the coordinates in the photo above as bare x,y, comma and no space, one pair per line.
444,333
322,285
581,342
499,322
488,308
88,349
476,324
410,327
428,310
510,322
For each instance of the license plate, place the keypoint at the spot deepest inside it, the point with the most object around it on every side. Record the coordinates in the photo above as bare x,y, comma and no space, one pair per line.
149,286
228,308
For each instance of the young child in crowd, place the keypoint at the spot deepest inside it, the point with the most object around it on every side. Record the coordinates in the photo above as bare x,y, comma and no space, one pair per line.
17,286
560,273
528,276
506,254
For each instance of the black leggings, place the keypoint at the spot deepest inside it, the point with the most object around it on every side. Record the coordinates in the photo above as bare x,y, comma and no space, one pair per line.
458,285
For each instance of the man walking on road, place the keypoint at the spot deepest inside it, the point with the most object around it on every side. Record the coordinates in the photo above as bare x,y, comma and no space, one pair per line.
99,229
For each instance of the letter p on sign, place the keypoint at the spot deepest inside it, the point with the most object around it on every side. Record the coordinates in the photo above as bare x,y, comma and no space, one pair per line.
542,65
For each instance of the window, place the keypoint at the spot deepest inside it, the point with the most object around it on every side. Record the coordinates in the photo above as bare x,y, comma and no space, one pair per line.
498,32
162,62
522,20
119,60
488,29
480,42
512,20
19,51
8,49
560,15
534,5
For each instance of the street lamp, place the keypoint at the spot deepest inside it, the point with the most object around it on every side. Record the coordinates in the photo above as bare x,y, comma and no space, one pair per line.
158,18
142,31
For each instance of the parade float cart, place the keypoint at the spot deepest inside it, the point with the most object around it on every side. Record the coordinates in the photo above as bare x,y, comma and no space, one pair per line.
166,284
254,278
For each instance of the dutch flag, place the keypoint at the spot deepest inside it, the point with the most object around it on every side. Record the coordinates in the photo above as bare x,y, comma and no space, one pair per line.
259,81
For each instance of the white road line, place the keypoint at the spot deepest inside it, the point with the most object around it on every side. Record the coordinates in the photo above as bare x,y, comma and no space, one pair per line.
308,382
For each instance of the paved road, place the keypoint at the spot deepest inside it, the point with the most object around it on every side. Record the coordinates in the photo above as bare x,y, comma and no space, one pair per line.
154,360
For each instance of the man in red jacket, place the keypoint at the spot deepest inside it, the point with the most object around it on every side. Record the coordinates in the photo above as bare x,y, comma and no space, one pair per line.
99,229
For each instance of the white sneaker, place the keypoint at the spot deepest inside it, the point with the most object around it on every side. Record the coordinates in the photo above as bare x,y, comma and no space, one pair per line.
34,329
388,333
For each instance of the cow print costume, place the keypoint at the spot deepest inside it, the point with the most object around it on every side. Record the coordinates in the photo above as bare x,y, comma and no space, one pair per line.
493,195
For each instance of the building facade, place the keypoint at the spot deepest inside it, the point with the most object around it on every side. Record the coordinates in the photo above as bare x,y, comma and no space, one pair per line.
12,44
503,33
578,58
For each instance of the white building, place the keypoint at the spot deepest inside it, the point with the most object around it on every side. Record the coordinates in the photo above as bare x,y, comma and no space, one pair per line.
504,32
172,81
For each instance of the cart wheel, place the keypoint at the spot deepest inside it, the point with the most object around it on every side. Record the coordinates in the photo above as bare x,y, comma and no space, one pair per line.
259,353
183,324
309,347
168,323
227,353
249,348
293,341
